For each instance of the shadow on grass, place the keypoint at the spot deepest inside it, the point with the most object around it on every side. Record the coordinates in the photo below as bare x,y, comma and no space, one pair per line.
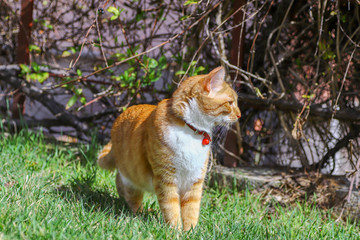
93,199
80,189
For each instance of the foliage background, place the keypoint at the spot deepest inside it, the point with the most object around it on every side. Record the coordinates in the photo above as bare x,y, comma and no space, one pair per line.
295,65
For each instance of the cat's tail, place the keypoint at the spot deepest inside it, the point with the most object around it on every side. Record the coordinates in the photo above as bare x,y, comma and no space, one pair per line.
106,159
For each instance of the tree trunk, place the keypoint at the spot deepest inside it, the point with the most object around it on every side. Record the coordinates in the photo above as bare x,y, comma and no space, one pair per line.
236,58
22,51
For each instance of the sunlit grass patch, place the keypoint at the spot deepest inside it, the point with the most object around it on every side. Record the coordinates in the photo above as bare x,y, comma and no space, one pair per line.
52,191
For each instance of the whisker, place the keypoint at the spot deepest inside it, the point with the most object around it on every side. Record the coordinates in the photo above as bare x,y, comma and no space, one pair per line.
222,130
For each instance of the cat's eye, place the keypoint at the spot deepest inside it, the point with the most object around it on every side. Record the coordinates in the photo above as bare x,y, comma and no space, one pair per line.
230,102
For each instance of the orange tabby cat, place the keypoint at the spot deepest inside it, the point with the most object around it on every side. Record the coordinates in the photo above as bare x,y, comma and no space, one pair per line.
165,148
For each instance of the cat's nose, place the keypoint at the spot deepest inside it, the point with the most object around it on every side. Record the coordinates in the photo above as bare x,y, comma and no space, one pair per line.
239,115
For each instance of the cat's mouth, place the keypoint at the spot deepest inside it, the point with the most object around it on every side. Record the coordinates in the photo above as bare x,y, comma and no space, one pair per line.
226,121
232,118
235,118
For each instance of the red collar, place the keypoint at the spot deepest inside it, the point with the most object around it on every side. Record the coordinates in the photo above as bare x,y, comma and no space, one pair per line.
206,140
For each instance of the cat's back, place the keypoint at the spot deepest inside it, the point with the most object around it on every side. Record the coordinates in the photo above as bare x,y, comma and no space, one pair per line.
133,116
130,125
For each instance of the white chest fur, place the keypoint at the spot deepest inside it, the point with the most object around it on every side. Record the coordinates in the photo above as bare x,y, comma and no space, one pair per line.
190,155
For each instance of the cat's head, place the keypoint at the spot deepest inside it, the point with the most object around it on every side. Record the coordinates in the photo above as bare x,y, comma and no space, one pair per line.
206,100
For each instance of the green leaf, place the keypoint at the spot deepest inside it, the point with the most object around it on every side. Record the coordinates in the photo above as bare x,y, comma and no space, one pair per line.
83,100
65,54
193,63
343,19
162,60
46,24
116,12
25,68
140,16
126,76
116,78
35,66
145,58
34,48
33,76
305,96
41,77
73,49
153,63
181,72
71,102
200,69
78,91
79,73
258,93
113,10
184,17
190,2
113,17
152,75
155,79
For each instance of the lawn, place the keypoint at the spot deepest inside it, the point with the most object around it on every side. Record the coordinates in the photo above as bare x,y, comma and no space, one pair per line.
55,191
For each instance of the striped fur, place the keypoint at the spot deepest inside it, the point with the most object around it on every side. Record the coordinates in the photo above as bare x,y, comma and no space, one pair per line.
153,149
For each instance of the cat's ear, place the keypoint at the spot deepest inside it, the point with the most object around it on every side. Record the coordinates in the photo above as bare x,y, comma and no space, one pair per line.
214,81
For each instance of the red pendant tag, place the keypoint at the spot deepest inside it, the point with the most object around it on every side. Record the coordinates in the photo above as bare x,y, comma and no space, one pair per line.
205,141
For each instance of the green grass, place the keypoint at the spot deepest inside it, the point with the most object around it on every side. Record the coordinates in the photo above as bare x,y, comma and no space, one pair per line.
52,191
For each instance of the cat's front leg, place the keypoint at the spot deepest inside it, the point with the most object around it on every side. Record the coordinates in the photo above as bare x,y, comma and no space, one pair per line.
169,201
190,205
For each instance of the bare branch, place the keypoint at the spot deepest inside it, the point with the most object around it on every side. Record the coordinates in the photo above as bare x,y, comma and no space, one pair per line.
44,98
